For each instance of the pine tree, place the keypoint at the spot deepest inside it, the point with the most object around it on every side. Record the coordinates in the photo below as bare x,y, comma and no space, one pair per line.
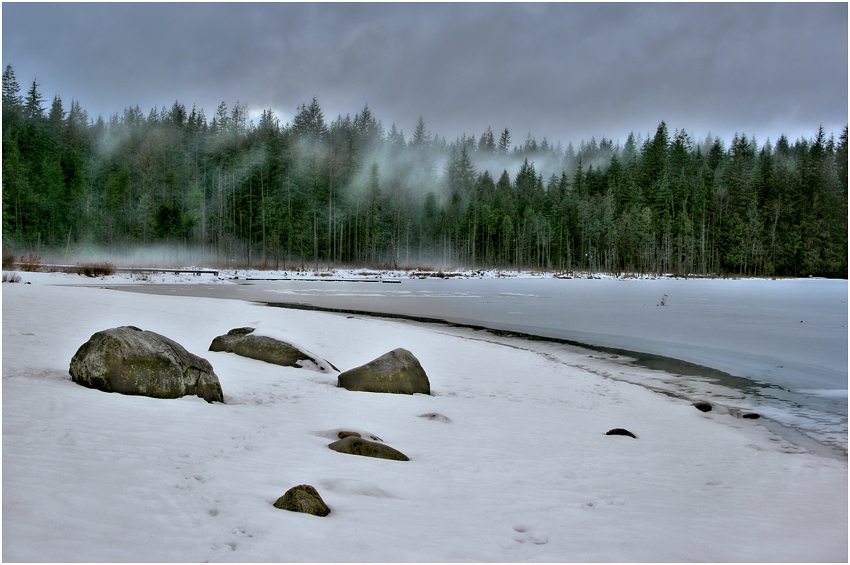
56,116
11,90
309,123
420,136
504,142
33,105
396,140
487,143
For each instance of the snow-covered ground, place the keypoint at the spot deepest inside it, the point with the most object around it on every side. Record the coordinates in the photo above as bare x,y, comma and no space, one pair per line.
523,471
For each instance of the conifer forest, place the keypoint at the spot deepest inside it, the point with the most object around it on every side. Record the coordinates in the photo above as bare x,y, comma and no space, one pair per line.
349,191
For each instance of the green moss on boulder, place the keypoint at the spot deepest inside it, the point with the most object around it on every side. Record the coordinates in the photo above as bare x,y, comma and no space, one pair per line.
303,498
354,445
128,360
397,372
263,348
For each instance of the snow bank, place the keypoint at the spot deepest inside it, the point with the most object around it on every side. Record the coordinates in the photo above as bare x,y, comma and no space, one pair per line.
523,471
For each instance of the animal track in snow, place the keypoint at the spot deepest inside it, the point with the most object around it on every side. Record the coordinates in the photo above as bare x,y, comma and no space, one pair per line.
522,535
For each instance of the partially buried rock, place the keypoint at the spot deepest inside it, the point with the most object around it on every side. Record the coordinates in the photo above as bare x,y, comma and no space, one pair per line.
263,348
751,416
620,432
396,372
435,417
354,445
129,360
702,406
303,498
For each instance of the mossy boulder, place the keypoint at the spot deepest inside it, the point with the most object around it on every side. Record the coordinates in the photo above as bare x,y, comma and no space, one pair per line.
396,372
354,445
303,498
241,341
129,360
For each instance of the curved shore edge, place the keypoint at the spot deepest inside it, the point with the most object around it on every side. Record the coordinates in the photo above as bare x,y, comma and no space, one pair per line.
645,360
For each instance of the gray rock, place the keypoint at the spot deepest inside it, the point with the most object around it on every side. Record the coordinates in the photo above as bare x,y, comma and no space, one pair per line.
436,417
129,360
303,498
396,372
264,348
354,445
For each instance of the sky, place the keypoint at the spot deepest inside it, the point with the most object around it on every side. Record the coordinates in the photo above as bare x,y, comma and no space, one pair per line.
561,71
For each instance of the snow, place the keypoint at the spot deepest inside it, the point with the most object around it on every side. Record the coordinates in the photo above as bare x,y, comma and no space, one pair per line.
523,471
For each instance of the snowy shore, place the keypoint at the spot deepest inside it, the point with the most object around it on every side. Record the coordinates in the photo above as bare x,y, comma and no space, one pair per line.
523,471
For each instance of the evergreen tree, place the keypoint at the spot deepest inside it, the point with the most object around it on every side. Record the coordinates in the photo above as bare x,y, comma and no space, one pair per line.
504,142
309,123
11,90
33,109
420,136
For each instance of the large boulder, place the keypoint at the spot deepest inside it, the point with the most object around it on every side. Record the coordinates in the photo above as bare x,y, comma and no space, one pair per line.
303,498
395,372
241,341
129,360
354,445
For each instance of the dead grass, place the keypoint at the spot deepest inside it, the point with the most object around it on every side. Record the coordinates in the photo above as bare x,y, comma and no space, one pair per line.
102,269
11,277
30,263
8,261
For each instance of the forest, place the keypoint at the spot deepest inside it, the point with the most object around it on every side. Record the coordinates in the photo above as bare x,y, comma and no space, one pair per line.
350,192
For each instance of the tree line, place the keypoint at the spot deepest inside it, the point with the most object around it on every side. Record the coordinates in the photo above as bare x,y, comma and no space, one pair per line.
350,192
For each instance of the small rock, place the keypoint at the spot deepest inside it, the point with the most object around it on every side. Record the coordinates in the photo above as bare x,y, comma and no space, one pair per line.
702,406
303,498
751,416
620,432
436,417
348,434
354,445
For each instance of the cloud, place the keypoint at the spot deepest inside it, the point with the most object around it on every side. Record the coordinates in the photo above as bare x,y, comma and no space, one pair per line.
561,71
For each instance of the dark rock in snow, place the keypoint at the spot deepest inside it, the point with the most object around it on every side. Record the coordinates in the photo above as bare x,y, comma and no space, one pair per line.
303,498
129,360
263,348
436,417
620,432
345,434
358,446
396,372
751,416
702,406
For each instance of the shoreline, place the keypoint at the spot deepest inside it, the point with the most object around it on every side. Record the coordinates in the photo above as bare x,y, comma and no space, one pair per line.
637,358
777,405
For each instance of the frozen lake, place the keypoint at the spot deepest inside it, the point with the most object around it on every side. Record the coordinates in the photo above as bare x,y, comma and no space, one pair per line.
778,347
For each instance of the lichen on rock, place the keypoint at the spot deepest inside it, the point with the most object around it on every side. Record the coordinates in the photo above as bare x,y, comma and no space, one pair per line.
128,360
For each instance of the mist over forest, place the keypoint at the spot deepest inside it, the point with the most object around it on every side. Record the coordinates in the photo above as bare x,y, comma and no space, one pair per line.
350,191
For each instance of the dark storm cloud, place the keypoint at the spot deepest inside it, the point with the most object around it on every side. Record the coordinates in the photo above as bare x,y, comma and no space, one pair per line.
561,71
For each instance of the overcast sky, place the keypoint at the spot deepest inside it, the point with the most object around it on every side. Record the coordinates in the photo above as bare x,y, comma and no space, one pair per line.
561,71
